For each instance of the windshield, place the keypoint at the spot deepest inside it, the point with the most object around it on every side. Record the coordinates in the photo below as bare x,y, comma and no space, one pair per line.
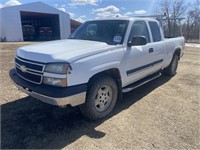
111,32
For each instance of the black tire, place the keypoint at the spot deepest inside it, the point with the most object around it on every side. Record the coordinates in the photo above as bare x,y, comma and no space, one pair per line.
101,98
171,69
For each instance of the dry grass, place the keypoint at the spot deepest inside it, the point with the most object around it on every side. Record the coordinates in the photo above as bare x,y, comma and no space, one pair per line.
163,114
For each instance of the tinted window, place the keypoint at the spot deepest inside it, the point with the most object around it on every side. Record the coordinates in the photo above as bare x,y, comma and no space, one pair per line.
111,32
139,28
155,30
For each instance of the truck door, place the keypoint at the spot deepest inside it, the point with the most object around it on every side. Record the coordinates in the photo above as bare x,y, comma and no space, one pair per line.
158,44
139,59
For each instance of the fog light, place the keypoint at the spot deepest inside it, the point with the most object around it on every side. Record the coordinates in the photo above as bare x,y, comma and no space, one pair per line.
55,81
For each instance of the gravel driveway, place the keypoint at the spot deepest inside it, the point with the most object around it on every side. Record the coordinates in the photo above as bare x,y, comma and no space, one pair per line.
162,114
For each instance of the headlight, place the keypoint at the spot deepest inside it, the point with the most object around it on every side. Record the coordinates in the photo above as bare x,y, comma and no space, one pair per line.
59,68
56,74
55,81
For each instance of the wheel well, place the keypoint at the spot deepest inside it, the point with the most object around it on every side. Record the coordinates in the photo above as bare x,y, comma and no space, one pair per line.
178,52
114,73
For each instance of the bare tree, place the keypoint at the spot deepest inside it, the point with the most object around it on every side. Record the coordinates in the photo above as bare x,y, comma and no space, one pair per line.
177,9
166,9
173,9
192,25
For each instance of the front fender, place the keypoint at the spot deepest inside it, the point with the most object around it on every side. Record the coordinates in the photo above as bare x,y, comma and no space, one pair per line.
84,69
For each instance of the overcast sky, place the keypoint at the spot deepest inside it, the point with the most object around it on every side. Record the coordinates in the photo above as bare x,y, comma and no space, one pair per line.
82,10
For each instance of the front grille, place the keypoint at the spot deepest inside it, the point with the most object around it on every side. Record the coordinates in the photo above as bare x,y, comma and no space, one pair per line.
28,64
33,70
28,76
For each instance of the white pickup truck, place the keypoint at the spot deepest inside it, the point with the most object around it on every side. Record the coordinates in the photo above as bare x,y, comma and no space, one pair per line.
96,64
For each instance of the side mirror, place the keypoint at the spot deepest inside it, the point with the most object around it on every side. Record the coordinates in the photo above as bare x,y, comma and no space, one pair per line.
137,40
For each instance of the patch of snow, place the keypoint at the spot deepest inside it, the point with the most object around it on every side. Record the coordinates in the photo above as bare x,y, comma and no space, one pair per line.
192,45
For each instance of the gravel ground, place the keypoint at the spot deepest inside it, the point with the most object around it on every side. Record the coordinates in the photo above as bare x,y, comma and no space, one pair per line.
162,114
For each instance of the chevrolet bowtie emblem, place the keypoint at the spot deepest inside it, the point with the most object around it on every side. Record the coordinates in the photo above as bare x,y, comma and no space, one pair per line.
23,68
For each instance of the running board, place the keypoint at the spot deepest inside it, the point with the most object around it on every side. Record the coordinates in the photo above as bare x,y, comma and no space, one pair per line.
141,82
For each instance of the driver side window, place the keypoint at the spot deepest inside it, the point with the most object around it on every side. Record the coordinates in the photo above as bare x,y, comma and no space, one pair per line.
139,28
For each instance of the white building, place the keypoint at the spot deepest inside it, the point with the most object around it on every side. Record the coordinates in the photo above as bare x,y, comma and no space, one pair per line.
33,22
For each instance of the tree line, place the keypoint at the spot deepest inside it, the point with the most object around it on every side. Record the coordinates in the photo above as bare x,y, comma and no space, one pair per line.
180,14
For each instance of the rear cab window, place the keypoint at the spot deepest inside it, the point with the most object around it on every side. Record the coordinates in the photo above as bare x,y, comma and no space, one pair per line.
155,31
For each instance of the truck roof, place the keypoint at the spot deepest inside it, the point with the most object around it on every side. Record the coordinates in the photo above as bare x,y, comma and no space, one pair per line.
126,18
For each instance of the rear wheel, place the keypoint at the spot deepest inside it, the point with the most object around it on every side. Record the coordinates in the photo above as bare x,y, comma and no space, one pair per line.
171,69
101,98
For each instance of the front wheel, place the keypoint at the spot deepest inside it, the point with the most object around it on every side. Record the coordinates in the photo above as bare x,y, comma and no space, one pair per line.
101,98
171,69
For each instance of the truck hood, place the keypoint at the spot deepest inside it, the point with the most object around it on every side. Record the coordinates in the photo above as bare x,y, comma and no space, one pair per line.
62,50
